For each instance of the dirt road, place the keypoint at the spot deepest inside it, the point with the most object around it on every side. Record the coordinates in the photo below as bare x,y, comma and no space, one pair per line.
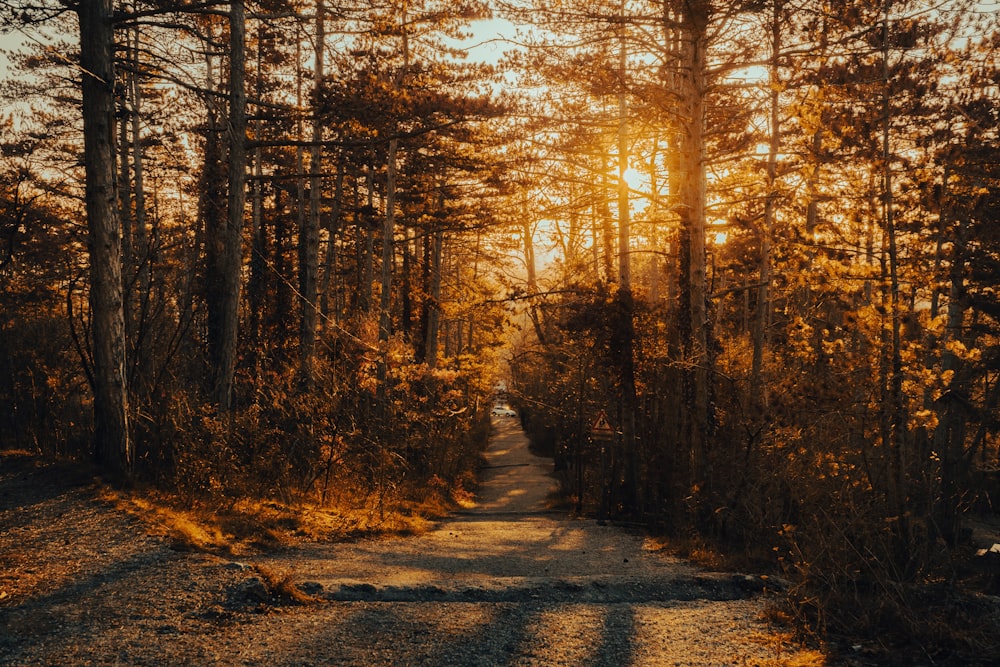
508,582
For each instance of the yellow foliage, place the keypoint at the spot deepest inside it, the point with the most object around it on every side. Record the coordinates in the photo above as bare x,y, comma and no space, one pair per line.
956,347
924,419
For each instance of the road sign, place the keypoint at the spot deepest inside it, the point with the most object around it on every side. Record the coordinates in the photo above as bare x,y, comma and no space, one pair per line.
601,430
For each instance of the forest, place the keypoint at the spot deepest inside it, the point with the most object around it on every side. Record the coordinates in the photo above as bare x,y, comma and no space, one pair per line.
294,251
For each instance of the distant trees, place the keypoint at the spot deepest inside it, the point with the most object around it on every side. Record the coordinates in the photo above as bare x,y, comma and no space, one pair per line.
962,307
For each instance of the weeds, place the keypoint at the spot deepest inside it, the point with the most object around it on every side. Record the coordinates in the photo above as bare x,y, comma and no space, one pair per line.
282,586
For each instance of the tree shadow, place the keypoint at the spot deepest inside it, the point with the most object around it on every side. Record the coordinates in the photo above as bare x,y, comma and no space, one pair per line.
472,635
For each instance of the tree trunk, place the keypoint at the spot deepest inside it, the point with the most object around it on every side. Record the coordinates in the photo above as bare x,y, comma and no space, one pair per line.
607,224
894,397
950,433
256,289
309,235
410,245
112,443
388,254
389,221
691,86
140,238
366,243
528,245
433,305
330,260
136,260
758,388
626,325
257,284
212,218
233,250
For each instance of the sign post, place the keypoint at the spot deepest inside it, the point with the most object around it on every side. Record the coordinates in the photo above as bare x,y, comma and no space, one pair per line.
601,430
602,434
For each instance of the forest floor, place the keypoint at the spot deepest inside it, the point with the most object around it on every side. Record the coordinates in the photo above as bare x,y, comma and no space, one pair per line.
509,581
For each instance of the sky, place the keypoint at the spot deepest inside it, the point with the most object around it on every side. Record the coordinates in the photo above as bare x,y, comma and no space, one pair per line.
486,44
8,41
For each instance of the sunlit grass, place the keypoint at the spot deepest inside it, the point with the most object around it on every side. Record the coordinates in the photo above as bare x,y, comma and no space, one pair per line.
248,526
788,650
283,585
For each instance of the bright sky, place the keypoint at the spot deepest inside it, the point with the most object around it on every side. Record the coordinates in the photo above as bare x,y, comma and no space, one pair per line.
486,46
8,41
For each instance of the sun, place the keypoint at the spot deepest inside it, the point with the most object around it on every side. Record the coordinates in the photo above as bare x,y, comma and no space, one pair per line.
636,179
717,232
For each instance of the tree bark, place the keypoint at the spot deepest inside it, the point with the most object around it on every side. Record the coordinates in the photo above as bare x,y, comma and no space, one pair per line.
112,443
309,235
257,284
140,237
233,250
758,388
626,306
366,242
690,85
388,248
528,245
894,395
212,216
389,221
330,260
434,300
607,225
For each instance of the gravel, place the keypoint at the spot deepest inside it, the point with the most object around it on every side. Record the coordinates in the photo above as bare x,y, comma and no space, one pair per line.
509,582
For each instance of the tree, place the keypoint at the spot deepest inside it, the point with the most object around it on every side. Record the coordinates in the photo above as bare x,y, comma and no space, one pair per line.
686,34
232,251
309,234
112,442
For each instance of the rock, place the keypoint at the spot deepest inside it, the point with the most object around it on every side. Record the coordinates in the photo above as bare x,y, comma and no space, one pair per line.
311,587
251,591
239,567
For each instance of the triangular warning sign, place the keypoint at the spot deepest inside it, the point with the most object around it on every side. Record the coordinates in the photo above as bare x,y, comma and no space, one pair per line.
601,427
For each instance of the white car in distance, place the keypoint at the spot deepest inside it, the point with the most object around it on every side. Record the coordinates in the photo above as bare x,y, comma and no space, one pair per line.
502,411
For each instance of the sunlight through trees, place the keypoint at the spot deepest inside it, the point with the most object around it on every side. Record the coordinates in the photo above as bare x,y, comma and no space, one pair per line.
289,248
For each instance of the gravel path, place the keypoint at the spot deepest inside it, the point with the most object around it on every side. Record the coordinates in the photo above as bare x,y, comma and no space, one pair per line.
509,582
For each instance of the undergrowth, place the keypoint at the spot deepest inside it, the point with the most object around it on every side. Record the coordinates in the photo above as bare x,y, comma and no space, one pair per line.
248,526
282,585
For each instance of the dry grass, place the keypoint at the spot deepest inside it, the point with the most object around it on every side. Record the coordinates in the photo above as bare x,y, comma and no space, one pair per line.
788,650
282,585
786,643
188,529
248,526
805,658
695,550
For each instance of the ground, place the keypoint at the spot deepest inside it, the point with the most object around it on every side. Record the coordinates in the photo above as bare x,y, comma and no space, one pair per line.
509,581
